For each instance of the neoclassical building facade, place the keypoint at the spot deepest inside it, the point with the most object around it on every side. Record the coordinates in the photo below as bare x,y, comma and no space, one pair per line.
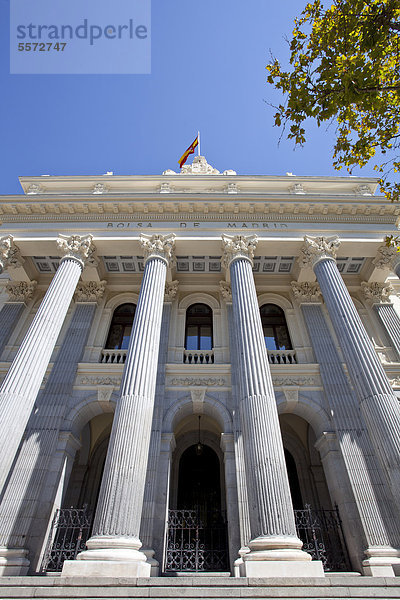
201,373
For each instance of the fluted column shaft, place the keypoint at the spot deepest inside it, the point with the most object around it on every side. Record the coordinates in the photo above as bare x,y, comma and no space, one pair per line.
271,510
379,405
147,524
9,316
119,508
372,497
21,496
22,383
391,322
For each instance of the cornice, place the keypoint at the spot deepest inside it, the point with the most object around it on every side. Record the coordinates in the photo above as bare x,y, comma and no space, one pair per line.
21,210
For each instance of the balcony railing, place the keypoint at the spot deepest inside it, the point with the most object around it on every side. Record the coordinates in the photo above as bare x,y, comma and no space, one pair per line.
198,357
113,357
201,357
282,357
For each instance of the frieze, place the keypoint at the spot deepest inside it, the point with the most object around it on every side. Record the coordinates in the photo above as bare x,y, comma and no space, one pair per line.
200,381
299,381
100,381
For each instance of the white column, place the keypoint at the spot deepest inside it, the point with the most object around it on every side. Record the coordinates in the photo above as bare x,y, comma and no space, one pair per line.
275,549
22,383
378,403
377,517
377,295
113,549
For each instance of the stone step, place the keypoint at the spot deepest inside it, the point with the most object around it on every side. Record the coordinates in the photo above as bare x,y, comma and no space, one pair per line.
199,588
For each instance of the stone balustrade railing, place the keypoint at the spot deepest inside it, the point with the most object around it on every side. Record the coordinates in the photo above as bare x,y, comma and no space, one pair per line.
198,357
115,357
282,357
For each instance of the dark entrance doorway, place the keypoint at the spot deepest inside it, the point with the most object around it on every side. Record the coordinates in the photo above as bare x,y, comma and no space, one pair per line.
197,529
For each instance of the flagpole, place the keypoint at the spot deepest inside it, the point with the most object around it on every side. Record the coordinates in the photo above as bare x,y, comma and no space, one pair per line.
198,147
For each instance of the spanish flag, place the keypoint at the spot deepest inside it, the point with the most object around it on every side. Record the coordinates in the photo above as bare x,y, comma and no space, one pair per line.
189,151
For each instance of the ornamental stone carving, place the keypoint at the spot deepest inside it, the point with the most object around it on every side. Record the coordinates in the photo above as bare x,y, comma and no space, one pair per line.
34,189
238,246
297,188
318,248
232,188
306,291
363,190
377,293
198,381
116,381
171,289
225,290
297,381
165,188
79,248
99,188
199,166
20,291
158,246
89,291
386,258
10,256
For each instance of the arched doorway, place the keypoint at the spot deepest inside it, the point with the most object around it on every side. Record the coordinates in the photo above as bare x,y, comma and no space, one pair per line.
197,536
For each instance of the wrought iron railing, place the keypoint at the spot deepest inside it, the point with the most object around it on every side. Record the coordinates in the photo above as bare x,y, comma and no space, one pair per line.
196,542
322,536
69,532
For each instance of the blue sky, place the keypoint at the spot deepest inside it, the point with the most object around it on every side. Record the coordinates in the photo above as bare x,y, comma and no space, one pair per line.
208,73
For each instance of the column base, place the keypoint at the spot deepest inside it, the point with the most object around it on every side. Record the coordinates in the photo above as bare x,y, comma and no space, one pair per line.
279,557
382,562
13,561
154,564
109,556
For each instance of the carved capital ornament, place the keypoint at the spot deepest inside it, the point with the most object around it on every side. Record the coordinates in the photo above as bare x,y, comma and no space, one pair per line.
238,247
306,292
89,291
20,291
171,289
78,248
10,256
376,293
225,290
158,246
316,249
387,257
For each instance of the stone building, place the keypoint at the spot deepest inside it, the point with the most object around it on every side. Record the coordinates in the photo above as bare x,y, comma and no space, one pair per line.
200,374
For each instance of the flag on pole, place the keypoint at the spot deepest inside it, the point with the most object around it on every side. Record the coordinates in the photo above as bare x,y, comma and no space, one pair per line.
189,151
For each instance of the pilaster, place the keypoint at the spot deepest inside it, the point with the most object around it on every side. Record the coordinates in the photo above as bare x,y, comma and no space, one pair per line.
21,385
379,406
377,295
23,503
19,294
376,515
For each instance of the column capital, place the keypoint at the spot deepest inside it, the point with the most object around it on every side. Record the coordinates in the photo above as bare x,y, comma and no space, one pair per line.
225,290
387,257
76,247
238,246
10,255
306,292
20,291
316,249
158,246
171,289
89,291
376,293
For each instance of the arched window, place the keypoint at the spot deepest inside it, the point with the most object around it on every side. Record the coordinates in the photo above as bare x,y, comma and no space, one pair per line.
121,327
199,328
276,333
